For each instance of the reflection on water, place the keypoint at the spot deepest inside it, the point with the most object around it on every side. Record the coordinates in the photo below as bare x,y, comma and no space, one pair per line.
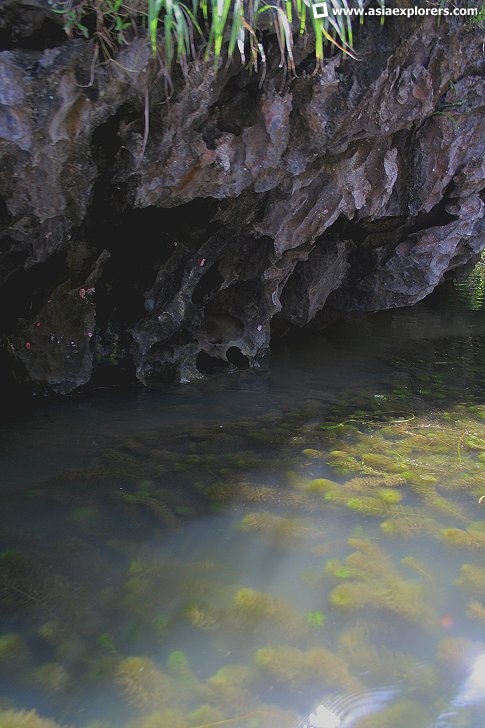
472,290
264,551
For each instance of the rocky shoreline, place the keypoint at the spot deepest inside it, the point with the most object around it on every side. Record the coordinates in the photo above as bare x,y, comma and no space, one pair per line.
155,238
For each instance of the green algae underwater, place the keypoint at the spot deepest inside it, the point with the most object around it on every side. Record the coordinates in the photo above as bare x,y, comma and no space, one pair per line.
230,554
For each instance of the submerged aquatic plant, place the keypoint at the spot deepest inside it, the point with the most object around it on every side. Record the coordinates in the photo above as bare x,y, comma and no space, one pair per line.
52,677
418,566
375,581
353,596
243,493
375,481
145,687
208,619
410,526
470,540
475,610
231,676
168,718
251,608
261,639
179,667
206,715
472,578
229,689
280,530
455,653
14,653
25,719
400,715
152,498
359,645
298,669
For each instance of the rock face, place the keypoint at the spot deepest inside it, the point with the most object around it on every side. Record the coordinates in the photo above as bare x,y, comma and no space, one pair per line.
164,239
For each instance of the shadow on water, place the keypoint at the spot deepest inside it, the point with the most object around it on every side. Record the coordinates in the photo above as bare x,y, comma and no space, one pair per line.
235,553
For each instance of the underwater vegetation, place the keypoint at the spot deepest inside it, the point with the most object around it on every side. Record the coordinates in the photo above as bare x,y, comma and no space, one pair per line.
472,579
367,655
476,610
363,520
373,580
160,719
52,677
246,612
144,686
301,669
455,652
252,607
469,539
178,695
279,530
208,717
153,499
25,719
14,653
410,526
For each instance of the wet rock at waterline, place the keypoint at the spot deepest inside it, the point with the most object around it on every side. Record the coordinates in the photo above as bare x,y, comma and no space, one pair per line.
252,208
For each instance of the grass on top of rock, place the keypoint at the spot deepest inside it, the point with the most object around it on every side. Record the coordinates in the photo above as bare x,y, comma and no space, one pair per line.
177,30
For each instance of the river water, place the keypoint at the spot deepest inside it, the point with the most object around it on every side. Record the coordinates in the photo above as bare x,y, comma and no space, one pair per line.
239,552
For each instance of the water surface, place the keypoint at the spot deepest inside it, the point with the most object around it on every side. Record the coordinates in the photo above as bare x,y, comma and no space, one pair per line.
238,552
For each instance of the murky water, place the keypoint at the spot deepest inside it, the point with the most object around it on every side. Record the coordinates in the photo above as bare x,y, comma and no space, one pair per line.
240,552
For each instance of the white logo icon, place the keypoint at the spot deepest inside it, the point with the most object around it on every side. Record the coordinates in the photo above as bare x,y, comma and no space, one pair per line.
320,10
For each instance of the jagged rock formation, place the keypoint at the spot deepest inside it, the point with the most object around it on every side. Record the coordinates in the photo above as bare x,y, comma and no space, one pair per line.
169,249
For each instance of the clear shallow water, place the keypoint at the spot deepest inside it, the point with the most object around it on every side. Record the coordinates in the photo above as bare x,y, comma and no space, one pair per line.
236,553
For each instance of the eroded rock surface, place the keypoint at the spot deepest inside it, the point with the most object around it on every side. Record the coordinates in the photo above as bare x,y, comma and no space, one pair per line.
243,208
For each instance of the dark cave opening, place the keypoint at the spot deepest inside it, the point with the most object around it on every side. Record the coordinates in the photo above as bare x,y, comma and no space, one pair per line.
208,365
5,218
210,281
371,240
140,240
30,30
380,232
27,290
235,109
438,216
235,356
